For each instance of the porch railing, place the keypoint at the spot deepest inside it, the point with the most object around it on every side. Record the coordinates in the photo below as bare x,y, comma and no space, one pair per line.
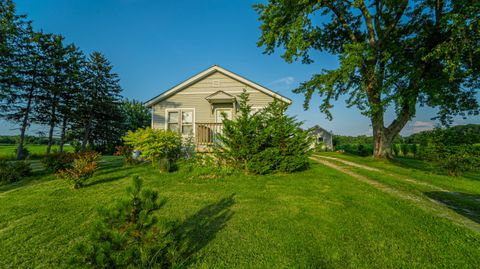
206,132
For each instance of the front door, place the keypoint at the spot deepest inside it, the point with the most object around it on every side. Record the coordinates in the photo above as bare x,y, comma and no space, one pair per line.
221,113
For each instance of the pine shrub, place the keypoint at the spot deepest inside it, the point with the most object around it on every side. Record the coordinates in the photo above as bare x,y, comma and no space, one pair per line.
126,236
264,142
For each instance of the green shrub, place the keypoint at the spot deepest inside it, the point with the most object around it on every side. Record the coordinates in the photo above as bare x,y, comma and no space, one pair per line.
404,148
357,149
265,162
396,149
83,167
204,165
263,142
365,150
127,236
455,160
155,145
13,171
414,149
57,161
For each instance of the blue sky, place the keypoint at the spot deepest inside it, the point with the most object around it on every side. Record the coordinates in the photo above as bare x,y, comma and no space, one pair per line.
154,45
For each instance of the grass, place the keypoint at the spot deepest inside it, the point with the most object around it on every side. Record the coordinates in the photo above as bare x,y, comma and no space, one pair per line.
312,219
9,151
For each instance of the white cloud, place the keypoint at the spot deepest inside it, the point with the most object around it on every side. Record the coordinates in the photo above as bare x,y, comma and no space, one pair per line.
283,82
420,126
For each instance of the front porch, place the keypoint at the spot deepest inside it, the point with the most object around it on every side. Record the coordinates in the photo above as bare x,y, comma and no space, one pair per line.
206,135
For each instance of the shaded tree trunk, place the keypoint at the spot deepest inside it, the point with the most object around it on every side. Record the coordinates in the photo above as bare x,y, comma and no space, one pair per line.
24,126
62,135
86,134
52,124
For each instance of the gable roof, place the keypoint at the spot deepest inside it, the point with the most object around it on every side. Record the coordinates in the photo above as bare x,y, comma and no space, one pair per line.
208,72
317,129
220,96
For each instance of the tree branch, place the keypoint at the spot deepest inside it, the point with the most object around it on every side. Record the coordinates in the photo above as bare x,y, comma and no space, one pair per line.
344,23
368,21
398,16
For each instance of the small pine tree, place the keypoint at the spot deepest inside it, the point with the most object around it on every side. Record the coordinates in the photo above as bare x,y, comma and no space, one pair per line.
126,235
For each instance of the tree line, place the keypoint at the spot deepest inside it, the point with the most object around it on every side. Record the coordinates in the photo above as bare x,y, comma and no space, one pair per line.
45,81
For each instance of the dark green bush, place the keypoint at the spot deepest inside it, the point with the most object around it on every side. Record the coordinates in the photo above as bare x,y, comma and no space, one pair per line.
404,148
396,149
264,142
455,160
265,162
127,235
414,149
357,149
57,161
13,171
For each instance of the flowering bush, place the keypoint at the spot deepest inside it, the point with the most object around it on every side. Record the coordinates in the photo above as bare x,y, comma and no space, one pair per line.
83,167
126,151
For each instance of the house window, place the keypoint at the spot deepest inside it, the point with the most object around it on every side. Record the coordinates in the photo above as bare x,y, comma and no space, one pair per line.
319,139
181,121
187,122
173,121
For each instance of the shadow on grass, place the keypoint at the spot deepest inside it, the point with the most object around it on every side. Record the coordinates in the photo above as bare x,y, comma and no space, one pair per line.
465,204
198,230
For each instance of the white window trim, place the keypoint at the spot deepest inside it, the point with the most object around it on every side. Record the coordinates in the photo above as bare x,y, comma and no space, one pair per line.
221,108
179,110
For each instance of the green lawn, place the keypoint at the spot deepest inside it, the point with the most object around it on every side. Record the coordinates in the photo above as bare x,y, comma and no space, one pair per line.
313,219
8,151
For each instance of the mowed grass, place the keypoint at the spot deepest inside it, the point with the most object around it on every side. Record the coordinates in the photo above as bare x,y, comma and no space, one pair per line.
318,218
9,151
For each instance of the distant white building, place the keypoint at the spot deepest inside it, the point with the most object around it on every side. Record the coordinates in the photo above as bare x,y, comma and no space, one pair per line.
322,137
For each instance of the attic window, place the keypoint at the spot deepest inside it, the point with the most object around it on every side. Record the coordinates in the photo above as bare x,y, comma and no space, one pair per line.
216,83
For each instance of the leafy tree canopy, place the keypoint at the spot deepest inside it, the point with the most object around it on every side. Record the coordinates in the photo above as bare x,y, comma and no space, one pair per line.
392,54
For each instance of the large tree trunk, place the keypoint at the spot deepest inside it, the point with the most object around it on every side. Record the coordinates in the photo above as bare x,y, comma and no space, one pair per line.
381,138
24,125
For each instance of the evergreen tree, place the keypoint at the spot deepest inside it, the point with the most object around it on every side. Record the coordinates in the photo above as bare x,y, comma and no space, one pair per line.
28,85
136,115
98,119
12,38
74,81
47,110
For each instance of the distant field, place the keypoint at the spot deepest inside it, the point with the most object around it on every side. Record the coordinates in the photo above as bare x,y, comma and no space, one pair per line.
9,150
